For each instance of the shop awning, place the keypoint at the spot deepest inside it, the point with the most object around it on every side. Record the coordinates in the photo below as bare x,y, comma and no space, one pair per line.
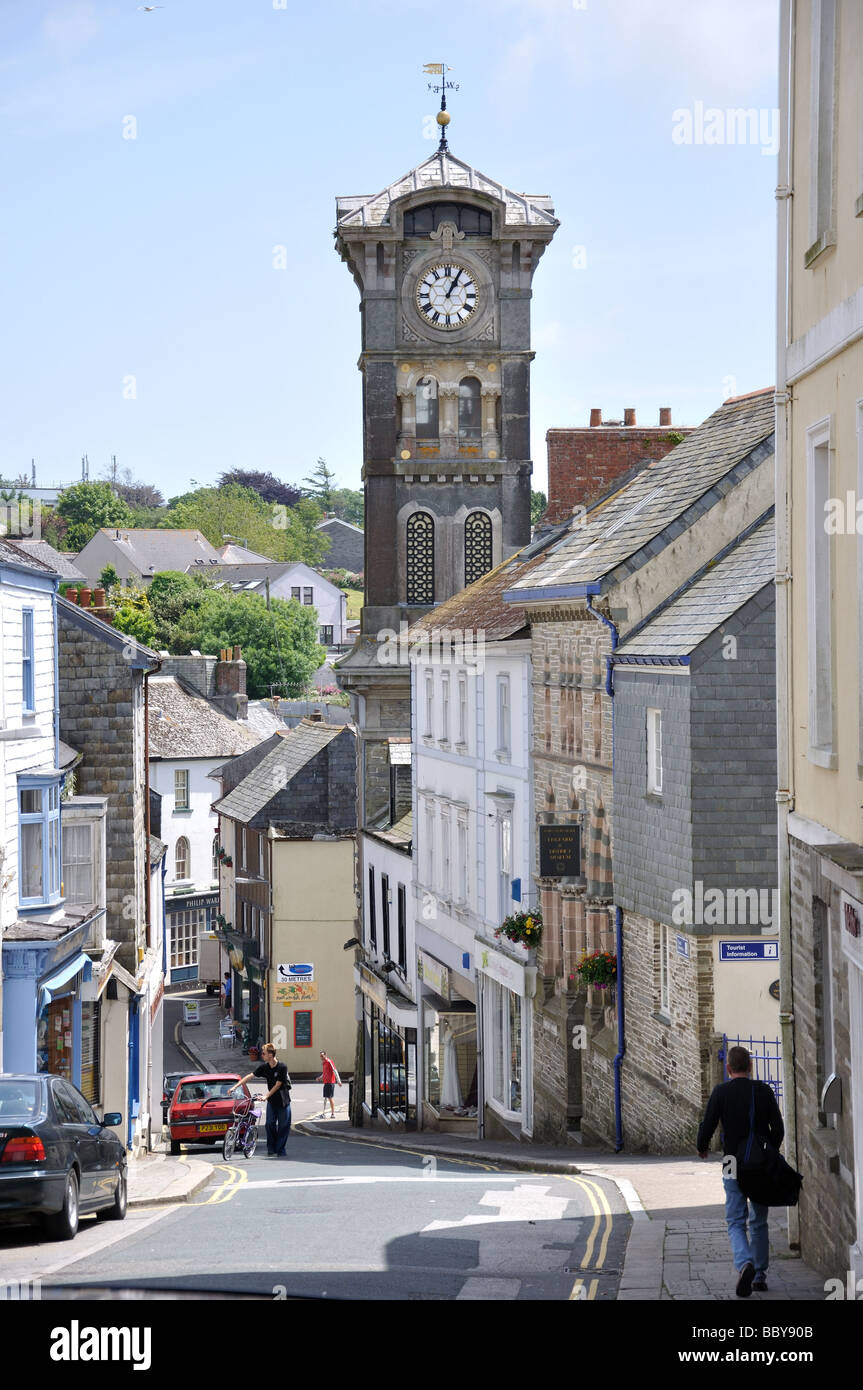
54,983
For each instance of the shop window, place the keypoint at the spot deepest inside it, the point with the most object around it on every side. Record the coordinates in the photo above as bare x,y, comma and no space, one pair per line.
505,1015
39,841
451,1063
420,558
184,929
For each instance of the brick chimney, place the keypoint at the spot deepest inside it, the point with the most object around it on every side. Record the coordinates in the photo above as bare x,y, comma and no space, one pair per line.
595,418
629,415
665,417
230,694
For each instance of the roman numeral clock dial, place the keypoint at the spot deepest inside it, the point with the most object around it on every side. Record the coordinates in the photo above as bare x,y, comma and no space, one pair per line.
447,296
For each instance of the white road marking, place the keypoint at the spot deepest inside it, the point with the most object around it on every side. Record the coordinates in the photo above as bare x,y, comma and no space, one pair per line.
522,1204
359,1180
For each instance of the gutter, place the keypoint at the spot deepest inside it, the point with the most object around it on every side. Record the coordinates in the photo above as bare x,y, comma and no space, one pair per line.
618,913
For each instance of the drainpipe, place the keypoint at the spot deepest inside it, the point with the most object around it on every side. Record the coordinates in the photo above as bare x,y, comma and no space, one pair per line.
618,914
784,621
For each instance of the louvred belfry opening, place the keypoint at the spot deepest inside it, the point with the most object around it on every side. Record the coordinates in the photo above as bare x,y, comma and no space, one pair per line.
420,558
477,546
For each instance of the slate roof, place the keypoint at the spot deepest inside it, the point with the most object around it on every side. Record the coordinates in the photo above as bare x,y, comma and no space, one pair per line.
400,834
481,607
254,573
338,521
295,748
263,720
60,564
444,170
625,531
708,599
231,554
185,725
11,553
157,550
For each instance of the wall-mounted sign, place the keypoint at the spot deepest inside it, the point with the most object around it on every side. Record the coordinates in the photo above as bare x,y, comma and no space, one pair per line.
294,974
773,989
559,851
433,974
400,753
298,991
749,950
505,971
373,987
303,1028
683,947
851,921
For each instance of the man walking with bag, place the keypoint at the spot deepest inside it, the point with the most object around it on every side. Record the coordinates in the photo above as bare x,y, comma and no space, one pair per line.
741,1106
278,1100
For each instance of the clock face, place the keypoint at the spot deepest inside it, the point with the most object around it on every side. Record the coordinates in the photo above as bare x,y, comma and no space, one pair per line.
447,295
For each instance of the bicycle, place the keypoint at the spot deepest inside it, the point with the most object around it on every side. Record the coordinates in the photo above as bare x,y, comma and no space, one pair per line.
242,1133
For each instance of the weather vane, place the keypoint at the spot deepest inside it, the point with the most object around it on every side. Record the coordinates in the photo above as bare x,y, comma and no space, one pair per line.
440,70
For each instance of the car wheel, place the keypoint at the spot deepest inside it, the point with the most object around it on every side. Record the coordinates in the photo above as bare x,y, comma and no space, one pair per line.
63,1225
117,1210
175,1147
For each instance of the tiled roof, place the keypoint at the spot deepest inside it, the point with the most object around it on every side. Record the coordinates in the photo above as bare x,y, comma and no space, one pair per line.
60,564
295,748
481,607
400,834
666,497
231,554
185,725
708,599
160,549
444,170
263,720
11,553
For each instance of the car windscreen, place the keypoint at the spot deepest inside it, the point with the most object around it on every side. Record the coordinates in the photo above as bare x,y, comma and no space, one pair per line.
19,1100
192,1091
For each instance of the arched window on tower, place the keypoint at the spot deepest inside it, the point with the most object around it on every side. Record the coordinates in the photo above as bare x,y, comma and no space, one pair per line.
469,411
477,546
420,558
427,408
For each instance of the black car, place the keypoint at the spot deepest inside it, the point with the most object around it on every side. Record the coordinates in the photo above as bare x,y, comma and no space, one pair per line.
57,1159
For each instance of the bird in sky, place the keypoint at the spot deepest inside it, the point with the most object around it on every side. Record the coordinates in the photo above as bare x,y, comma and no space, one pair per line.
148,8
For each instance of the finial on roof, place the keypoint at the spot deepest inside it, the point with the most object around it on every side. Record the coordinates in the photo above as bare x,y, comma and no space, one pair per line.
443,117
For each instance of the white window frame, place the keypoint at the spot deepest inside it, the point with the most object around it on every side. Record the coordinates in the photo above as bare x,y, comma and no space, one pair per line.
822,129
430,819
444,708
504,718
181,780
819,596
429,705
462,709
461,860
75,859
504,863
186,877
445,854
654,751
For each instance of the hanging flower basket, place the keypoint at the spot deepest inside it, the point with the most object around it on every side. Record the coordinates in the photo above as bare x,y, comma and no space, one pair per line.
523,927
228,862
599,970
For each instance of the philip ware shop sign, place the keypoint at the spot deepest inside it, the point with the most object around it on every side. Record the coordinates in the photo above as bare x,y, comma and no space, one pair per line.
559,851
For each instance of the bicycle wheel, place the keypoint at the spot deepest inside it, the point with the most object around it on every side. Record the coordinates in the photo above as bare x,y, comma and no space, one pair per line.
250,1140
229,1143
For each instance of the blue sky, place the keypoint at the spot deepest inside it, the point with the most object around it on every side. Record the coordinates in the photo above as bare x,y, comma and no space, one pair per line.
152,258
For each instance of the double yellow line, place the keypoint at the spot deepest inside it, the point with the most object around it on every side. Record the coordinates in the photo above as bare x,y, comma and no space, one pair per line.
601,1215
237,1178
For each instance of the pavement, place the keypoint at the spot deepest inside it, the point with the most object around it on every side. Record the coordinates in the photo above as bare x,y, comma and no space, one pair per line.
678,1244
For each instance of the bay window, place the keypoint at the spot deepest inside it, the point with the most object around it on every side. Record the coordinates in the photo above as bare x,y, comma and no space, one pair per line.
39,841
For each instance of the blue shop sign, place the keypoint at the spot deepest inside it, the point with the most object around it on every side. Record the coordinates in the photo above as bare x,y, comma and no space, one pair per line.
749,950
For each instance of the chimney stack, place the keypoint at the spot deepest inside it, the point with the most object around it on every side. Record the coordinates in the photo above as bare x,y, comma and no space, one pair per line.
595,418
665,416
230,694
629,415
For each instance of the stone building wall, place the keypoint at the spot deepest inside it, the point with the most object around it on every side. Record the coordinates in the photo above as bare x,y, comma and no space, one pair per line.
825,1155
102,716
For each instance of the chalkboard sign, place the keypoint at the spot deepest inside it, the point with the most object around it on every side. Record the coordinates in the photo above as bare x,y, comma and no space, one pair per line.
303,1028
559,851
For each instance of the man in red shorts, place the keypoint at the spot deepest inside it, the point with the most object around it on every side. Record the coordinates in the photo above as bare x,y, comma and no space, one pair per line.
331,1079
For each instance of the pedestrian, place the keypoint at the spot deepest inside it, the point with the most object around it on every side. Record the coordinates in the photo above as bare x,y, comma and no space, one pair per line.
730,1106
331,1079
227,992
278,1099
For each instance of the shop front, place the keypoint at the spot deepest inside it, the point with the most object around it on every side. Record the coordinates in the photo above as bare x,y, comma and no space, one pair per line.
191,955
248,987
449,1054
389,1054
506,989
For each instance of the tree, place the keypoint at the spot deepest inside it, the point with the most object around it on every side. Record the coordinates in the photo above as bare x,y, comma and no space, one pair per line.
268,487
349,505
300,538
279,643
133,616
538,504
320,485
86,507
174,600
109,578
54,528
272,529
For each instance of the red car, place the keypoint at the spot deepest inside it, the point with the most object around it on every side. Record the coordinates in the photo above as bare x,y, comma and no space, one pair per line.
202,1107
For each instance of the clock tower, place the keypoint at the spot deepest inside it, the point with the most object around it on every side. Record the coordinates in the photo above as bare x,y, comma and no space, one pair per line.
444,260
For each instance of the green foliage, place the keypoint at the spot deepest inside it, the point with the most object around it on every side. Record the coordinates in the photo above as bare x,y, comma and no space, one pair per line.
283,533
279,644
175,599
133,615
538,504
348,504
320,484
54,528
108,577
86,507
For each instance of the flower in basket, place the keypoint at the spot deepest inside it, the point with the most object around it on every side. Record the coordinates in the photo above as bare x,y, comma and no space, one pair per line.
599,969
524,927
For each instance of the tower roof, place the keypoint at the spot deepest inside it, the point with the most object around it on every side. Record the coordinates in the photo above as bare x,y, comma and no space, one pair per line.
440,171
